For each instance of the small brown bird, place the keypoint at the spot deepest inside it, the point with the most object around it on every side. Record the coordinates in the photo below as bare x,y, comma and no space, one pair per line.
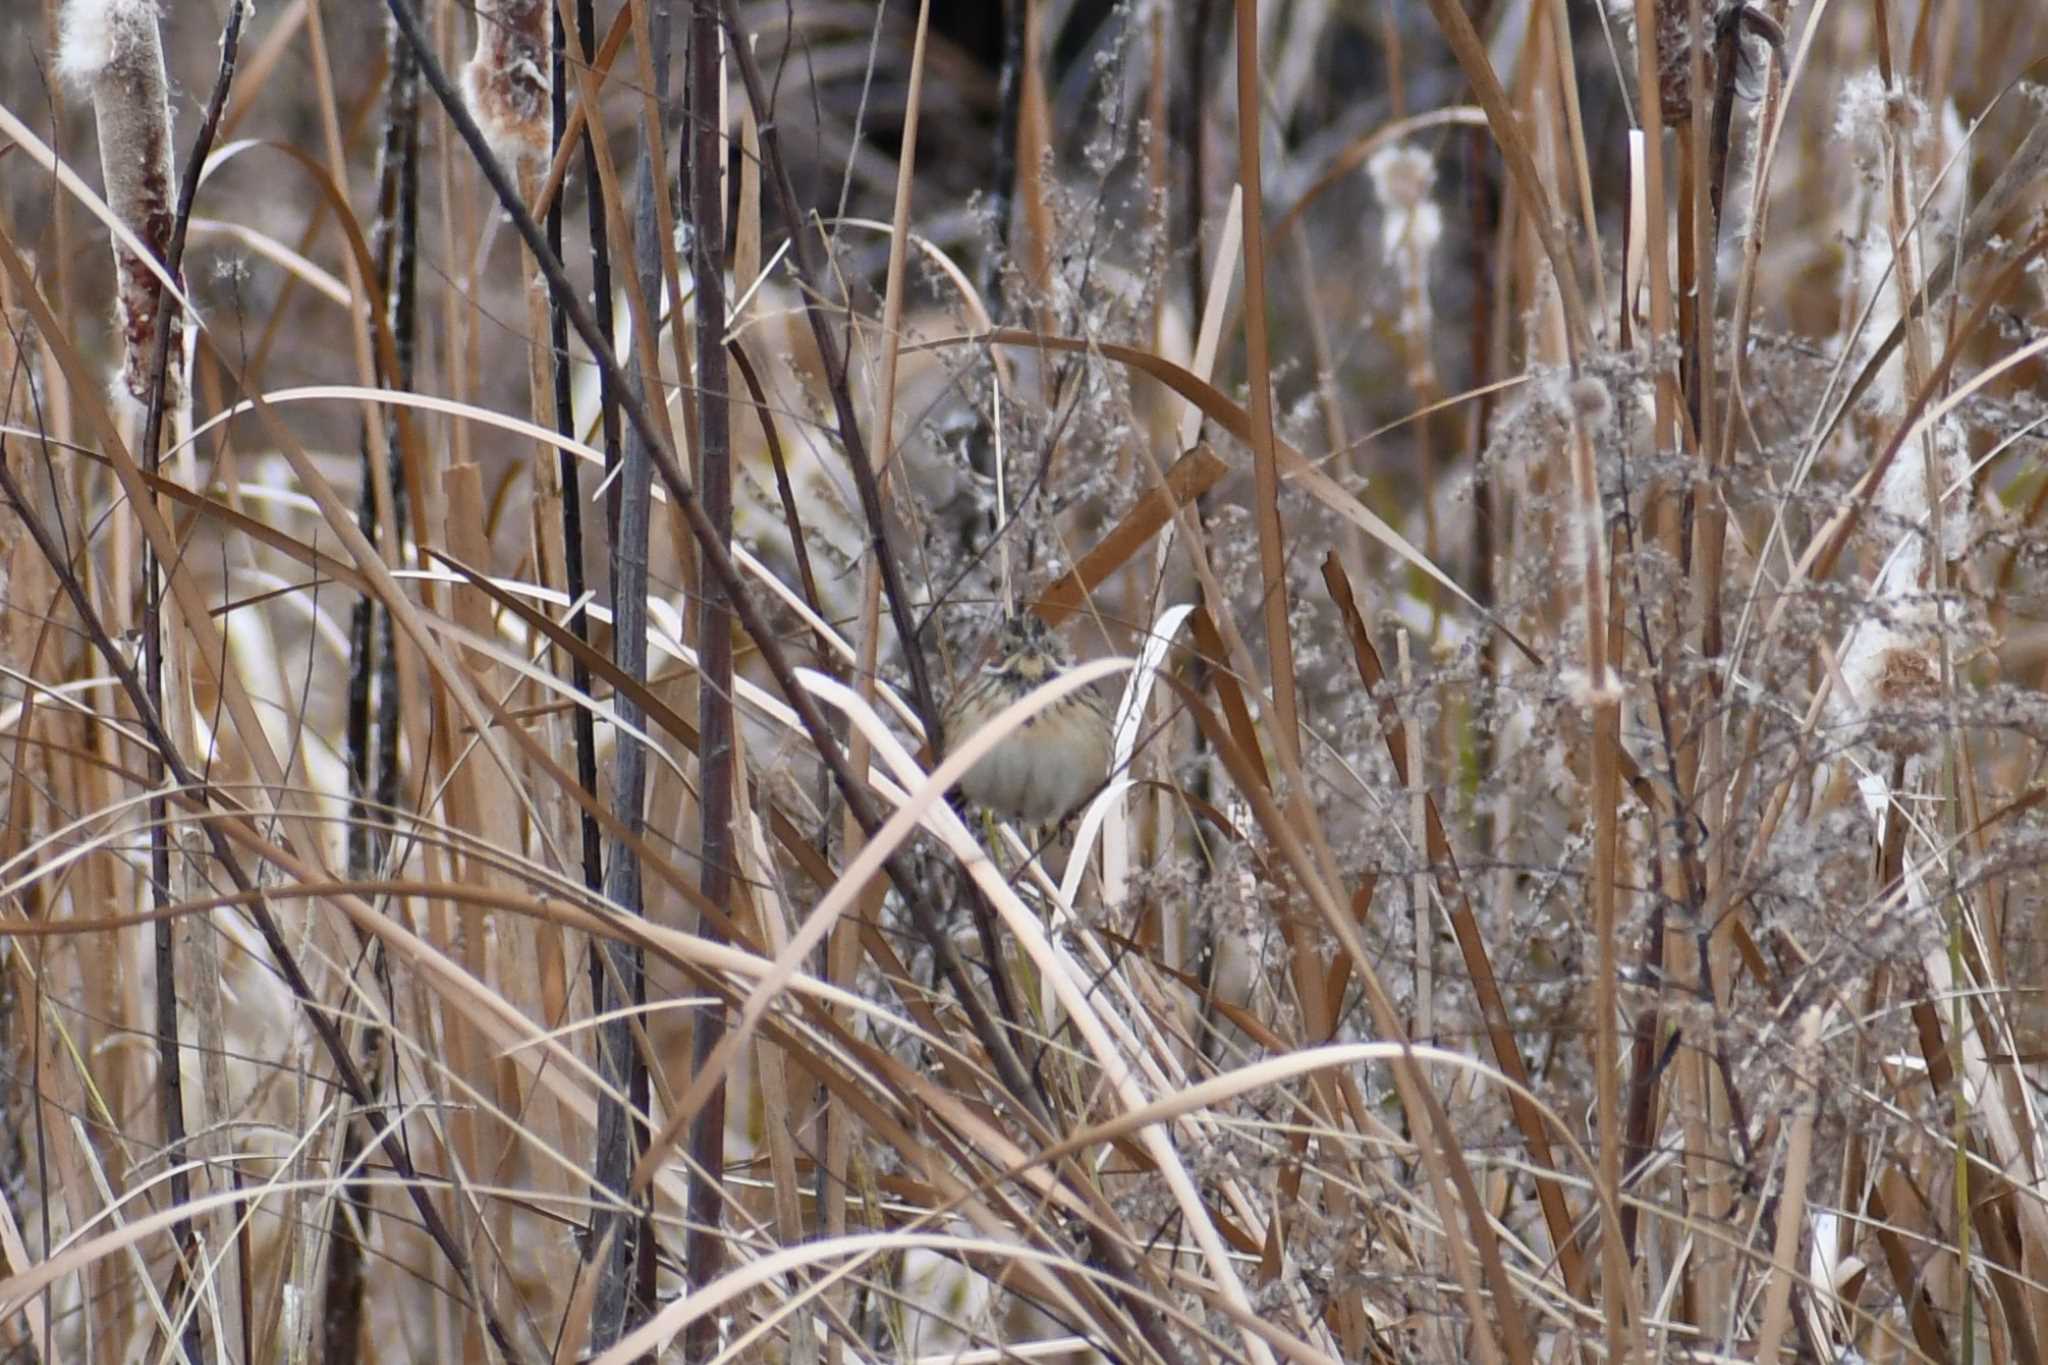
1047,765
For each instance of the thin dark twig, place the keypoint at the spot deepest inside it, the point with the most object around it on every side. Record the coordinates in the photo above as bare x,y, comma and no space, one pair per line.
791,520
783,492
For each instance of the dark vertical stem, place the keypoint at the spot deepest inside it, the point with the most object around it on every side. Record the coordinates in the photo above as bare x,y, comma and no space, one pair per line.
401,285
1190,104
1484,208
565,422
362,637
1002,201
170,1081
341,1316
608,395
373,683
624,980
705,147
373,722
1644,1071
1003,174
600,244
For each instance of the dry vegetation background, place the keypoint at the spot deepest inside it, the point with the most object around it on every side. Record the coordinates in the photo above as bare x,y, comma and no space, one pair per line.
1567,554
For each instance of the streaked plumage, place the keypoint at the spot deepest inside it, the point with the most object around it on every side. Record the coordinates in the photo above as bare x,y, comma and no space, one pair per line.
1054,760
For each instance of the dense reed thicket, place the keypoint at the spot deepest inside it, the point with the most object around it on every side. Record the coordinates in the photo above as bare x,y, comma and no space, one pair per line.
498,503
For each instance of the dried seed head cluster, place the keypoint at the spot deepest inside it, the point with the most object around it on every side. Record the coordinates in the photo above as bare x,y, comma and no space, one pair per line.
507,82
